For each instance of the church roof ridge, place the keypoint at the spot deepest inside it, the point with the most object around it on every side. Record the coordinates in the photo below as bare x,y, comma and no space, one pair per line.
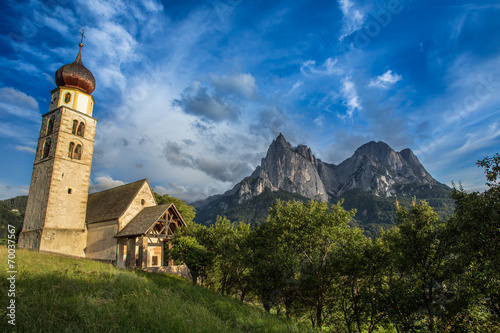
112,203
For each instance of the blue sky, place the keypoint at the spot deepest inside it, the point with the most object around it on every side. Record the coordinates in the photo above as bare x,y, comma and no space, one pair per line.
190,94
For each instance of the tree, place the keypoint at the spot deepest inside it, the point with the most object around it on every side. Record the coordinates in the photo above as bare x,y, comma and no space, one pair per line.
275,262
194,255
476,226
300,256
189,247
325,243
187,212
228,245
420,250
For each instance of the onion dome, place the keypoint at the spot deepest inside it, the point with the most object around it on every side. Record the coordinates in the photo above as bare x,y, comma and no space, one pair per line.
76,75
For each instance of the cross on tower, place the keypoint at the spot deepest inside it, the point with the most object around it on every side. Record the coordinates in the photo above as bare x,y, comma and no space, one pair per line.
83,36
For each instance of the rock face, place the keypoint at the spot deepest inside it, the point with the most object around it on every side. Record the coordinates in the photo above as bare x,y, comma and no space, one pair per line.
374,167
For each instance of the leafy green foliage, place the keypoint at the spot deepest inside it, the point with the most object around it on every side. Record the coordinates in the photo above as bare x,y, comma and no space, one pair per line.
299,256
476,233
9,216
419,249
18,203
230,275
375,213
188,247
187,212
492,170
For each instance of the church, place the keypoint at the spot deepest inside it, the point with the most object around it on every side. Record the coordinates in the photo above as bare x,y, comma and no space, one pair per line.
123,225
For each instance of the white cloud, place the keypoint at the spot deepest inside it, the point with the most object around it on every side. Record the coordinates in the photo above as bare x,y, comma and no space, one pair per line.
27,149
385,80
104,183
295,86
190,194
353,18
241,85
329,67
160,190
17,103
350,96
478,140
319,121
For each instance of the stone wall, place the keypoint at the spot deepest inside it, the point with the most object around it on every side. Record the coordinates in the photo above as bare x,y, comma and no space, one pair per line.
143,199
100,242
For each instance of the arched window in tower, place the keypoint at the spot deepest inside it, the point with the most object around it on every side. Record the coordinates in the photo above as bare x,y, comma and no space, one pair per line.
77,155
81,130
75,126
71,149
46,148
67,98
50,125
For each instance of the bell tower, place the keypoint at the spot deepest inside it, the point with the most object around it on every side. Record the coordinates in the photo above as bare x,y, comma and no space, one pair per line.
55,213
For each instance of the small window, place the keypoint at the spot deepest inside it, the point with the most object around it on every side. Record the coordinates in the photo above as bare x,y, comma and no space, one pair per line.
70,190
46,148
81,130
78,152
143,202
75,126
50,125
71,149
154,261
67,98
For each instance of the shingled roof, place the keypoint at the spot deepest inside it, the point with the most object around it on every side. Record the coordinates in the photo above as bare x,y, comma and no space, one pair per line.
111,204
143,221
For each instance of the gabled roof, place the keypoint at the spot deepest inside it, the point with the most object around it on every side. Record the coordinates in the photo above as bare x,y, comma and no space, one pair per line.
146,219
111,204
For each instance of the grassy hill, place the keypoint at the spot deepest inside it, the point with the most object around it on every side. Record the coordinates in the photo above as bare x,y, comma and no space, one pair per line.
61,294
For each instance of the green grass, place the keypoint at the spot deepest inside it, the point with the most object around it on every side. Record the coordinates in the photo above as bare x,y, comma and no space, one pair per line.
61,294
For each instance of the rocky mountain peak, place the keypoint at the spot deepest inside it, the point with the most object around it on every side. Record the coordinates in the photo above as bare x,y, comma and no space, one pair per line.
281,141
373,148
374,167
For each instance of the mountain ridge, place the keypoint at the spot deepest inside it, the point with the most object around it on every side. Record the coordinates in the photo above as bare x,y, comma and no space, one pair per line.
374,168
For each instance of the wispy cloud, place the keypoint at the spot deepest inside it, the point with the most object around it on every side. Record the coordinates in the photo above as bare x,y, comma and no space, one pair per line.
329,67
27,149
385,80
18,104
295,86
351,99
353,18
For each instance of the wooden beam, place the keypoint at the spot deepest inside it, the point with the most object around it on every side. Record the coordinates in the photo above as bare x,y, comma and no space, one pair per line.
159,236
130,261
143,252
